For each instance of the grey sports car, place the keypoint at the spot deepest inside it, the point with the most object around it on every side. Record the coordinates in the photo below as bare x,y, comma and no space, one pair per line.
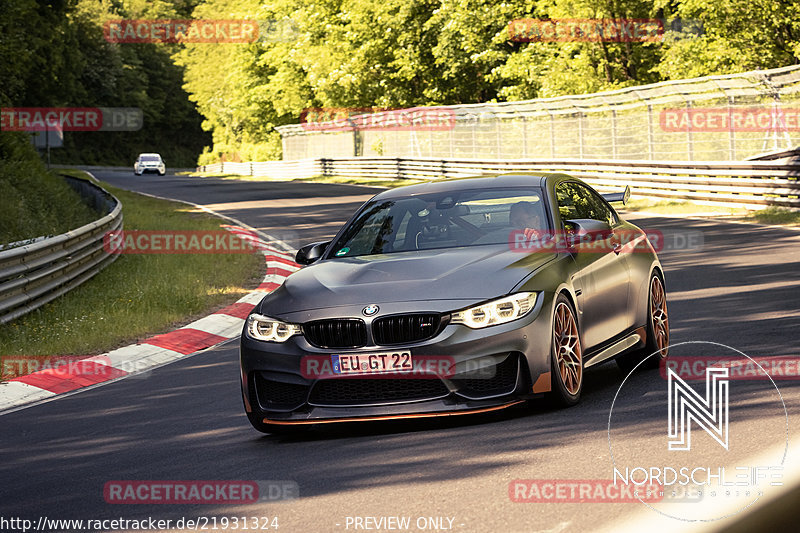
453,297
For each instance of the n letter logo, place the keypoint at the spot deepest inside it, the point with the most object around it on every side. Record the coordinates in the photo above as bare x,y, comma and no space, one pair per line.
709,412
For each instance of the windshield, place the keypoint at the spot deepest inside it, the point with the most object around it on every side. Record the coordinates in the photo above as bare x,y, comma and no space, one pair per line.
442,220
149,158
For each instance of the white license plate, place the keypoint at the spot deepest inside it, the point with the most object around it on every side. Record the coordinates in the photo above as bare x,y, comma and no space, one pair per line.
372,363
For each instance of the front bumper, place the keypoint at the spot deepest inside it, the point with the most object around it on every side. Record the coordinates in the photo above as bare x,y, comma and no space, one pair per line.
491,368
154,169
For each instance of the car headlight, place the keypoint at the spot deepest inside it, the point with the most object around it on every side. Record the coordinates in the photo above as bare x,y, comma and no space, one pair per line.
497,312
263,328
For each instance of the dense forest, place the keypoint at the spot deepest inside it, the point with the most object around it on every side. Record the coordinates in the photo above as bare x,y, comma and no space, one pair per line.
53,54
228,97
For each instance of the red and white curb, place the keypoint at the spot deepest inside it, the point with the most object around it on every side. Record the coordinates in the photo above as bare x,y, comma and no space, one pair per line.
219,327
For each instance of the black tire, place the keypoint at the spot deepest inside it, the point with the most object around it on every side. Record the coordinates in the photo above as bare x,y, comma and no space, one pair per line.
566,355
657,330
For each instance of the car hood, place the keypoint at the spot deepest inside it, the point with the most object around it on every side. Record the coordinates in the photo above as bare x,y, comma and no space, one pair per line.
471,273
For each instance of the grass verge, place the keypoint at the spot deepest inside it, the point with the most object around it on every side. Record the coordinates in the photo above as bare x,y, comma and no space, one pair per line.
369,182
137,295
680,207
35,201
770,215
775,215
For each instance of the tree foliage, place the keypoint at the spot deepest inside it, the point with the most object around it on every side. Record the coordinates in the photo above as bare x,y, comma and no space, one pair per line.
53,54
401,53
355,53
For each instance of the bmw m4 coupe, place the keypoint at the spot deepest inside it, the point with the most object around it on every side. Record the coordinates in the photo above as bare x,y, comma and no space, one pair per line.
453,297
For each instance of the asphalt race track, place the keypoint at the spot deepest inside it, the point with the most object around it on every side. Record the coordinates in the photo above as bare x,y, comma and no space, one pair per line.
185,421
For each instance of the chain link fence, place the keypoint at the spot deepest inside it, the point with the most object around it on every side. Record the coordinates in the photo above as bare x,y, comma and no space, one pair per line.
714,118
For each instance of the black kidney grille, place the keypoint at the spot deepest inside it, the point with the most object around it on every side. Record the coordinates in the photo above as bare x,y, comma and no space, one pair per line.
336,333
361,391
402,329
279,395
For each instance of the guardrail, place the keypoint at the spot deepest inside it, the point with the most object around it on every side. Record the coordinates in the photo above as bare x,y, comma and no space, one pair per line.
753,184
35,273
303,168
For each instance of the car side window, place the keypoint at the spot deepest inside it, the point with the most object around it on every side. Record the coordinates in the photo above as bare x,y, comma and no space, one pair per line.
565,196
576,201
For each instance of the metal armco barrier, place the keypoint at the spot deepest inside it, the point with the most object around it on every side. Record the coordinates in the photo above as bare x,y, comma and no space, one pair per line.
754,184
35,273
304,168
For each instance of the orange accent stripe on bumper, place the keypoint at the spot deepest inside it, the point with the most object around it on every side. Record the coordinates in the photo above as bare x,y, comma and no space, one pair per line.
390,417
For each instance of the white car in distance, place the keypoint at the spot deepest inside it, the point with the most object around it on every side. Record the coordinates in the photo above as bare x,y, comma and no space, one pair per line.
149,163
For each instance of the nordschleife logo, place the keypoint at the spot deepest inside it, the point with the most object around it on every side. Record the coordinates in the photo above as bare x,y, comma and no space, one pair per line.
709,429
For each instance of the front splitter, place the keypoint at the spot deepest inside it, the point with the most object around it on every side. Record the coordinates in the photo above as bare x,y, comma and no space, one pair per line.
391,417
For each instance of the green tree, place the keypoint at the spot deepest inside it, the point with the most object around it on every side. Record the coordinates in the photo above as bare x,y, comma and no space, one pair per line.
739,35
403,53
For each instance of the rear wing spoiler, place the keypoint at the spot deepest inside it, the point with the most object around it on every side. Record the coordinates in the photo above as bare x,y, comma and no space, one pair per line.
623,196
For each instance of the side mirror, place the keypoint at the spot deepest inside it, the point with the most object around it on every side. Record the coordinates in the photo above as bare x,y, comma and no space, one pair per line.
585,231
310,252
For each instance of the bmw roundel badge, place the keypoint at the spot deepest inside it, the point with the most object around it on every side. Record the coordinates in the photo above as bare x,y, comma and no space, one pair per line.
370,310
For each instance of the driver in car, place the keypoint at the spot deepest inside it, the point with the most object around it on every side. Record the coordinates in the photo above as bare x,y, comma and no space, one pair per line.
524,216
